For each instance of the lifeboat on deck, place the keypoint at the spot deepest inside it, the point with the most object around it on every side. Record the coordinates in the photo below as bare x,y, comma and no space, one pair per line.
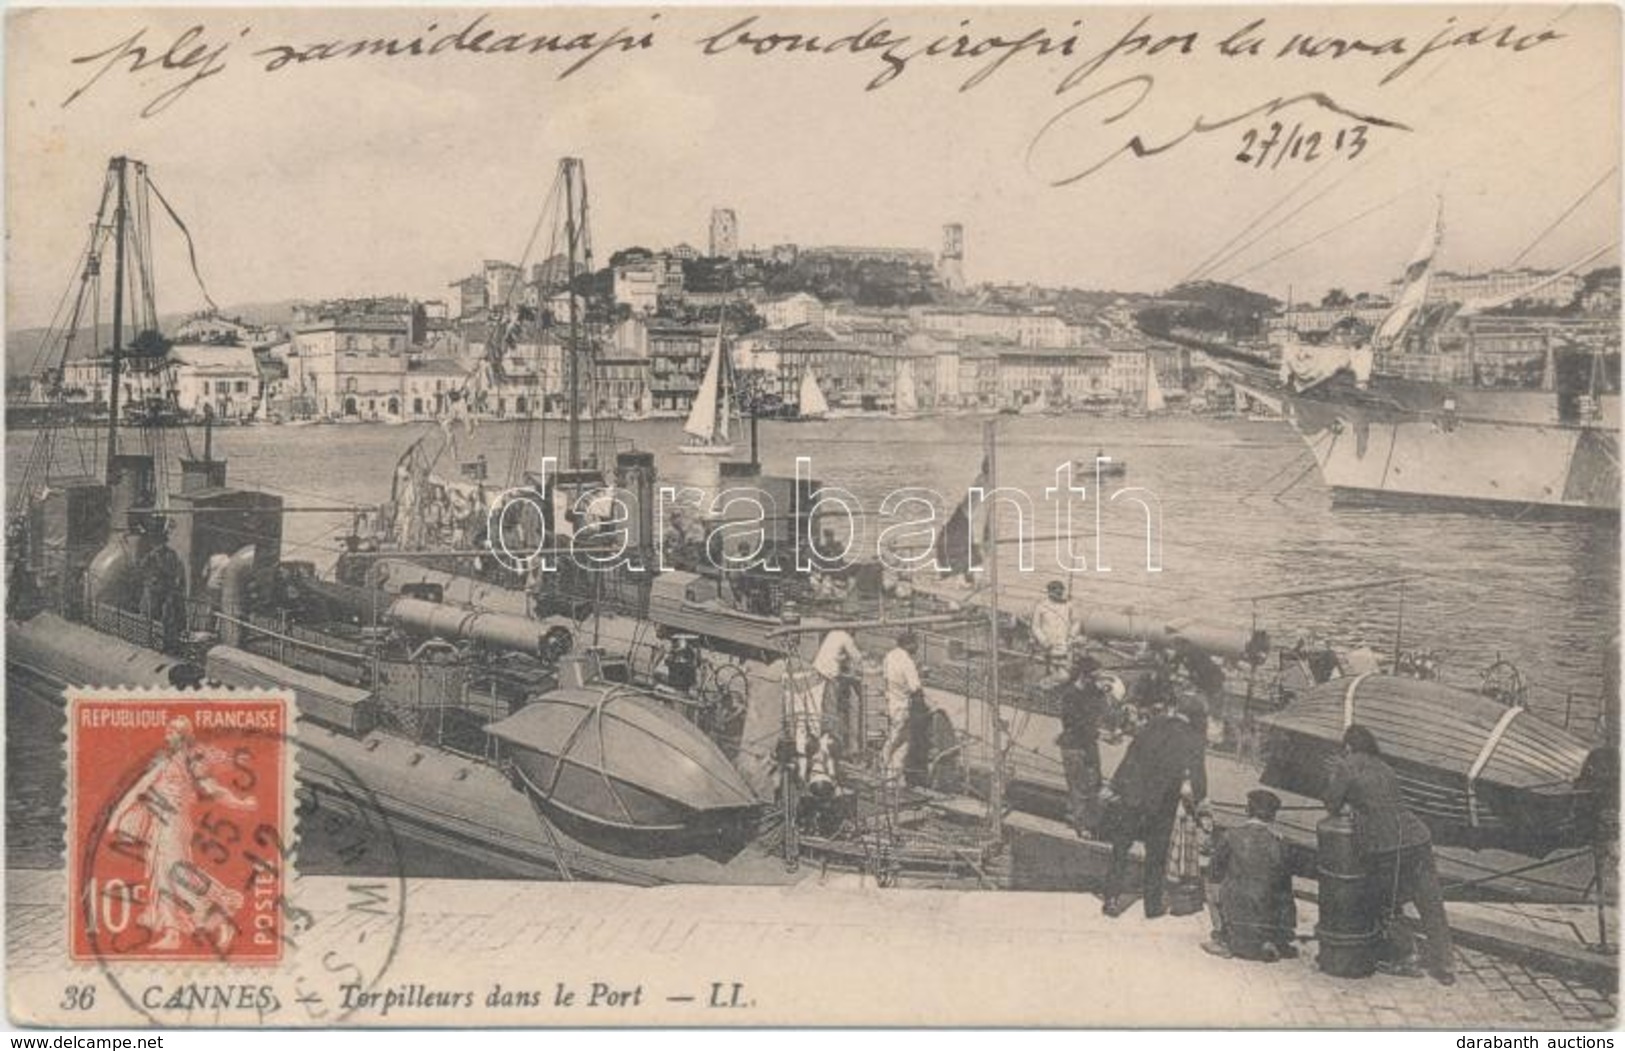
1479,773
604,758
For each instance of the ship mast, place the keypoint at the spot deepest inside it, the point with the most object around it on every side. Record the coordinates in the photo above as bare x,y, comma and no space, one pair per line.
572,237
995,795
115,367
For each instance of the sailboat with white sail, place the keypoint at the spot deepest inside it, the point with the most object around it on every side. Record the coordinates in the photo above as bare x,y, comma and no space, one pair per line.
1154,401
810,403
905,404
712,419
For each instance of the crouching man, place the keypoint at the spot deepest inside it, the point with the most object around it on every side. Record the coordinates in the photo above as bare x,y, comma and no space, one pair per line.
1254,915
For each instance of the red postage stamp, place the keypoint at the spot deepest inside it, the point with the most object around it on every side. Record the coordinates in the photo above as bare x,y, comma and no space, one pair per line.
177,826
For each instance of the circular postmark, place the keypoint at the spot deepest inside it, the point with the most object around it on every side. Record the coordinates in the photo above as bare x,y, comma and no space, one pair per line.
184,883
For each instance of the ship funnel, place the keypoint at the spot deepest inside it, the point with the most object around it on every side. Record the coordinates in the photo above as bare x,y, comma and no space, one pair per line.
202,474
134,478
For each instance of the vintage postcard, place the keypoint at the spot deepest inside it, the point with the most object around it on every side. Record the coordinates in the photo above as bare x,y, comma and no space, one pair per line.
643,516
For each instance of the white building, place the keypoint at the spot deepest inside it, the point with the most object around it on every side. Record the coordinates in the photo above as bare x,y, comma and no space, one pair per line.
210,327
90,379
427,384
638,286
789,311
1543,286
349,368
1024,329
223,380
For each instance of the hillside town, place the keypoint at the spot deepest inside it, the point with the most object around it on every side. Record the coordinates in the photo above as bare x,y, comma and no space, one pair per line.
868,322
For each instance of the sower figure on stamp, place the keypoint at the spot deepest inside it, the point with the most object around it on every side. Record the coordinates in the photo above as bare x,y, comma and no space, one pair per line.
1254,914
1145,795
158,816
1398,851
1083,709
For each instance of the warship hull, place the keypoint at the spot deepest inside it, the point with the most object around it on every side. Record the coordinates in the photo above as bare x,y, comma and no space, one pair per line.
1427,445
459,805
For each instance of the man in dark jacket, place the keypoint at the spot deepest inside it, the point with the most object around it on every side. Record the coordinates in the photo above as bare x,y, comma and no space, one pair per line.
1255,917
1145,795
1398,851
1083,708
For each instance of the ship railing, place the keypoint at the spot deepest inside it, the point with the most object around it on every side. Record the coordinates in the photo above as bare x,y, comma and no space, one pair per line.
300,647
1512,368
1582,713
129,626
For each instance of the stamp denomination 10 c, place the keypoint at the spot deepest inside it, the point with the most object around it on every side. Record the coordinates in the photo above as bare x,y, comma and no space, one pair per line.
177,825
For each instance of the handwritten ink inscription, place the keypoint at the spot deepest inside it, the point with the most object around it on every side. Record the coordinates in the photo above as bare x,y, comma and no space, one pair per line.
1275,144
1092,127
1070,131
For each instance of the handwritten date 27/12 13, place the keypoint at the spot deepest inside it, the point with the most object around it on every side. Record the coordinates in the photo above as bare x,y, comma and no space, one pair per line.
1274,144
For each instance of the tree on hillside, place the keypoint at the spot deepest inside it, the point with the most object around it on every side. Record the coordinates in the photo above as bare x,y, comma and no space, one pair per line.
1209,306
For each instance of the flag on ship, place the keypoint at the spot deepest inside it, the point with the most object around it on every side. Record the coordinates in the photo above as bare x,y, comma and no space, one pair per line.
461,403
1415,291
959,543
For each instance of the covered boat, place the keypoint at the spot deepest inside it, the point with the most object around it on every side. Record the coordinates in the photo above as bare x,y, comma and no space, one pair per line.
606,759
1480,773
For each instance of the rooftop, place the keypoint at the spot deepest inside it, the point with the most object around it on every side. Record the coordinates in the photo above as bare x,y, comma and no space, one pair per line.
214,359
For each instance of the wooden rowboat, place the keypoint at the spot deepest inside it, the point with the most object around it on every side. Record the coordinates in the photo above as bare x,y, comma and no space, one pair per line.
1479,773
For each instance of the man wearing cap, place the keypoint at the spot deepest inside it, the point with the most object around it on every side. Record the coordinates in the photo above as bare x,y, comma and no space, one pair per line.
1398,851
1254,915
902,680
163,578
1146,789
1083,709
1051,625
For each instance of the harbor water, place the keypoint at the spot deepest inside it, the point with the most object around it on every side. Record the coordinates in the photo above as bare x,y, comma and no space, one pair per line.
1243,514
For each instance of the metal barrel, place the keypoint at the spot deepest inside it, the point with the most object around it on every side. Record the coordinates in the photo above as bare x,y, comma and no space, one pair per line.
1347,931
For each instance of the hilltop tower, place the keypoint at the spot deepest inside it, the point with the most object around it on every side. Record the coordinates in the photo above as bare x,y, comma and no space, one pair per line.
724,233
951,267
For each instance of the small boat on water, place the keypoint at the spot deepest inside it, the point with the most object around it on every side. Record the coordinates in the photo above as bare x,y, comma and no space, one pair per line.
714,413
1101,466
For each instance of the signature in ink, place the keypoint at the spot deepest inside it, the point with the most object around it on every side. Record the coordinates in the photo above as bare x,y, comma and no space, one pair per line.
1075,126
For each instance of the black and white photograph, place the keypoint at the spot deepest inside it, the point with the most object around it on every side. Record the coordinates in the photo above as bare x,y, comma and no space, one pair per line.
1037,516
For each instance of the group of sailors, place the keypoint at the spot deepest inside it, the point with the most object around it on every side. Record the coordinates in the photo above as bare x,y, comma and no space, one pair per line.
1157,794
830,707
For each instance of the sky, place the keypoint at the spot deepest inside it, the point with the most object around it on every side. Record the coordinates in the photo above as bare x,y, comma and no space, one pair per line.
376,175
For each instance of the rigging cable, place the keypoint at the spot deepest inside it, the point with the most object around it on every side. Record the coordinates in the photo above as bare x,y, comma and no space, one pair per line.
191,249
1609,174
1326,233
1210,268
1218,254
